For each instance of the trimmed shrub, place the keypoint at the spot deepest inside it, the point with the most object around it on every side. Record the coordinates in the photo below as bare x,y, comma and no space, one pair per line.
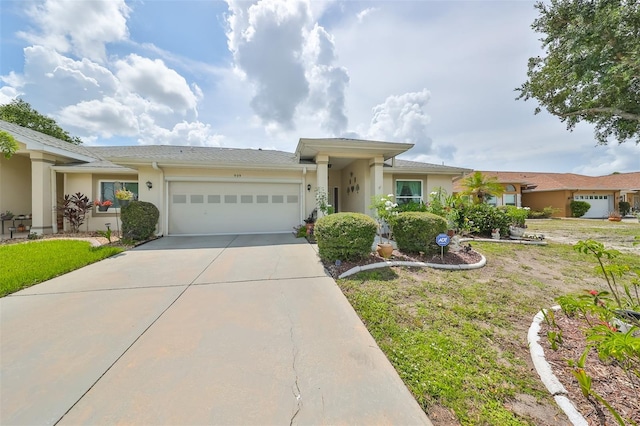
624,207
417,231
139,220
485,218
345,236
412,206
579,208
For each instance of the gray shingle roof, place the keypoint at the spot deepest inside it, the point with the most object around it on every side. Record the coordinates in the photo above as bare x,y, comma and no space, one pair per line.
25,136
194,154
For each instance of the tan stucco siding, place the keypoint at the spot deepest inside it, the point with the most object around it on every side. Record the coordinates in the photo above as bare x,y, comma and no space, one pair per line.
559,200
15,184
353,183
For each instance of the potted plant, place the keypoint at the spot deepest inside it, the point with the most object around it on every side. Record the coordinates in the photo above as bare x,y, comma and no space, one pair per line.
310,222
124,196
385,210
615,216
518,216
7,215
103,206
495,233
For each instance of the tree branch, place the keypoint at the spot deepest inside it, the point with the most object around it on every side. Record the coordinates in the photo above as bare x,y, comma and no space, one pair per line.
613,111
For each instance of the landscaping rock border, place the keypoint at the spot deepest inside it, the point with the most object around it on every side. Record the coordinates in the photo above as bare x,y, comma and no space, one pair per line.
545,372
377,265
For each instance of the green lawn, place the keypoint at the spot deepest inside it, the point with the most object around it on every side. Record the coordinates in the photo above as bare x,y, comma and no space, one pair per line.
458,338
26,264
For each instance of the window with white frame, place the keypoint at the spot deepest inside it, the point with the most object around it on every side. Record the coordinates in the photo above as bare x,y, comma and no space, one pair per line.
492,201
509,199
408,191
107,190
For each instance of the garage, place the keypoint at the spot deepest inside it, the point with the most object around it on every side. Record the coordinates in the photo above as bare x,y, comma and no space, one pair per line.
601,205
207,208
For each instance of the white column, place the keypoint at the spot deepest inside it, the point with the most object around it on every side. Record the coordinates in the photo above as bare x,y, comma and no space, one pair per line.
322,176
375,178
41,198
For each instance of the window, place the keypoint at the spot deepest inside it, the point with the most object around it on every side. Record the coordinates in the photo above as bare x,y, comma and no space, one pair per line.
108,190
408,191
492,201
509,199
509,188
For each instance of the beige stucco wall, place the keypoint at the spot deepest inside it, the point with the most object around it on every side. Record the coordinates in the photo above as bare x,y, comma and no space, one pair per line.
355,175
559,200
15,184
430,183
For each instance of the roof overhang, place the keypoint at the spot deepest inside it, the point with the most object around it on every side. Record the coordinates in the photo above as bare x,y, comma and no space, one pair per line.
97,170
34,145
309,149
137,162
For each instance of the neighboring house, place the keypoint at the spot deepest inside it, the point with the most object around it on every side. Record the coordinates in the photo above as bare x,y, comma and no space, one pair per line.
540,190
206,190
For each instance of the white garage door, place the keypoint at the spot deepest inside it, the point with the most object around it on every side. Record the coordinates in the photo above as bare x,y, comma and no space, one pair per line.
205,208
601,205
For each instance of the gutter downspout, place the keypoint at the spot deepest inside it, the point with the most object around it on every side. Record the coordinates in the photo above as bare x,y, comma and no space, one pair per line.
165,218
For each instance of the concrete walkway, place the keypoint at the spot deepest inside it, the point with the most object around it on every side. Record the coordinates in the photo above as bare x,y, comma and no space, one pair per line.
195,330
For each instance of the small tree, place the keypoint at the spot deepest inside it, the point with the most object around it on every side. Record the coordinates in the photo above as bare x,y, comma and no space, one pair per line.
624,207
8,145
75,208
481,188
21,113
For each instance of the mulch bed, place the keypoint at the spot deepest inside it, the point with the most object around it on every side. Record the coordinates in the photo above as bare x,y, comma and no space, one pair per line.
459,257
608,379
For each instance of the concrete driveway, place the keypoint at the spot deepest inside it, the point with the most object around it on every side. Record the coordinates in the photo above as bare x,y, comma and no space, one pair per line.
191,331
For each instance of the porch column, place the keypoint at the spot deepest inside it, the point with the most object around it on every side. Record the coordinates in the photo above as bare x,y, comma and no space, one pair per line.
375,178
41,198
322,175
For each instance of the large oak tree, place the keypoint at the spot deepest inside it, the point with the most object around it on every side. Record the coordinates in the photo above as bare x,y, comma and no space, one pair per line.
20,112
591,67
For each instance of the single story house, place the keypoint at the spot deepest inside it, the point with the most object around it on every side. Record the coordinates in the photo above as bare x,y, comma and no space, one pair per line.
208,190
540,190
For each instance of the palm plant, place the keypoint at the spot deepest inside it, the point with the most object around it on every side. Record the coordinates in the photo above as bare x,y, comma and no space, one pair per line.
481,188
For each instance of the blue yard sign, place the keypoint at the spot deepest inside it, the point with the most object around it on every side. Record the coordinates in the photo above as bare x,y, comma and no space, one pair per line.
443,240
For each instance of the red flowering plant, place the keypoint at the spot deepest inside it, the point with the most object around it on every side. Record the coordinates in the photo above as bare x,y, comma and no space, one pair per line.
105,203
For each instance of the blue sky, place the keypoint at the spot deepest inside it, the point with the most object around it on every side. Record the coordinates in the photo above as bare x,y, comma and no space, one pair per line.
440,74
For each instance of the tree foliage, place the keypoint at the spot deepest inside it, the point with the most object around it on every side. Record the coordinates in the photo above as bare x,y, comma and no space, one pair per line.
8,145
481,188
591,68
21,113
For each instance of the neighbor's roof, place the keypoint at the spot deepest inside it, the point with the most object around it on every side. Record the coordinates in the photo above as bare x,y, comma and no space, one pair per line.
416,166
536,181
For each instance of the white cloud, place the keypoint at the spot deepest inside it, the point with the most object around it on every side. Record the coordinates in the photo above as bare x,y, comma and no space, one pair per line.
403,119
365,12
154,80
107,117
79,27
289,59
193,133
604,160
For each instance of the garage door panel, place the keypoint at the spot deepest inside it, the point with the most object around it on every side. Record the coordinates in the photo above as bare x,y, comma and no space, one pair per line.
600,205
224,208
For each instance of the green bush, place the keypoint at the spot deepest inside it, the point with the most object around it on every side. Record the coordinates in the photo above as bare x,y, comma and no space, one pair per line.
579,208
546,213
517,215
417,231
484,218
412,206
345,236
624,207
139,220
